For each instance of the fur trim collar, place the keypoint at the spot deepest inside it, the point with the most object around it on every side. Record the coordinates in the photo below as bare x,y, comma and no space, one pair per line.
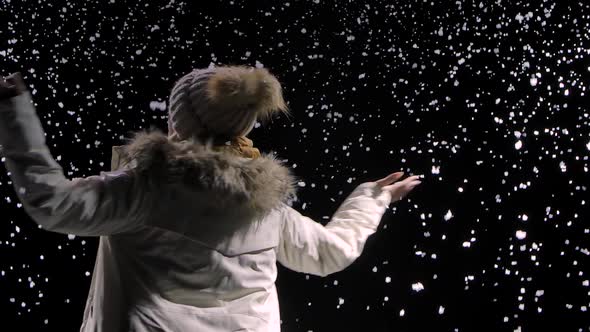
242,185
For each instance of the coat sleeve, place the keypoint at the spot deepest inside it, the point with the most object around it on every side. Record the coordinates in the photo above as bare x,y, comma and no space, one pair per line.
104,204
309,247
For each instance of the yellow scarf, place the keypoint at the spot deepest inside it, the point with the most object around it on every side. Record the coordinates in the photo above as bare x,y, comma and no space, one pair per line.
240,145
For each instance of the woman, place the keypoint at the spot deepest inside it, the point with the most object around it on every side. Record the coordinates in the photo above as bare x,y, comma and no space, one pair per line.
191,223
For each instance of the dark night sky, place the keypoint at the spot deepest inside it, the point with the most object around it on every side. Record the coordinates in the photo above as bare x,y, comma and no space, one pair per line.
485,98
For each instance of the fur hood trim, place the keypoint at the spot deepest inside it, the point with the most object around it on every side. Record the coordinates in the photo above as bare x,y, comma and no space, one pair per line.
242,185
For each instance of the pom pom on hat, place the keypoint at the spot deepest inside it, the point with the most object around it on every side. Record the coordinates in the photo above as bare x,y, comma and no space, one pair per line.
243,87
223,101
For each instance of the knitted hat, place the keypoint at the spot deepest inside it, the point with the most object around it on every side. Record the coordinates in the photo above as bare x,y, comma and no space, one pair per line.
222,103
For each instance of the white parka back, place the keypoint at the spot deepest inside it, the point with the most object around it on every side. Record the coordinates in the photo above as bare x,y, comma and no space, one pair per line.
189,237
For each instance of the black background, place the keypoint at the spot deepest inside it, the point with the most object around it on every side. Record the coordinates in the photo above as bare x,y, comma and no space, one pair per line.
374,87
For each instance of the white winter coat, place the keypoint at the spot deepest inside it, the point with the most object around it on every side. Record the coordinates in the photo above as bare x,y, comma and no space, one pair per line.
189,237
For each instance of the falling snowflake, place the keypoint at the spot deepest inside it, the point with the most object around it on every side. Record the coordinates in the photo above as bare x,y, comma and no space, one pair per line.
417,287
448,215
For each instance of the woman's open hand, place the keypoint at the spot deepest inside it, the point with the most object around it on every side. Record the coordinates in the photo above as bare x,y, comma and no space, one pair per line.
398,189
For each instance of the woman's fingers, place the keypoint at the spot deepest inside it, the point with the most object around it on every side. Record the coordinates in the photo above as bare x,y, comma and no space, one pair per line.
403,182
400,189
7,90
16,80
391,178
